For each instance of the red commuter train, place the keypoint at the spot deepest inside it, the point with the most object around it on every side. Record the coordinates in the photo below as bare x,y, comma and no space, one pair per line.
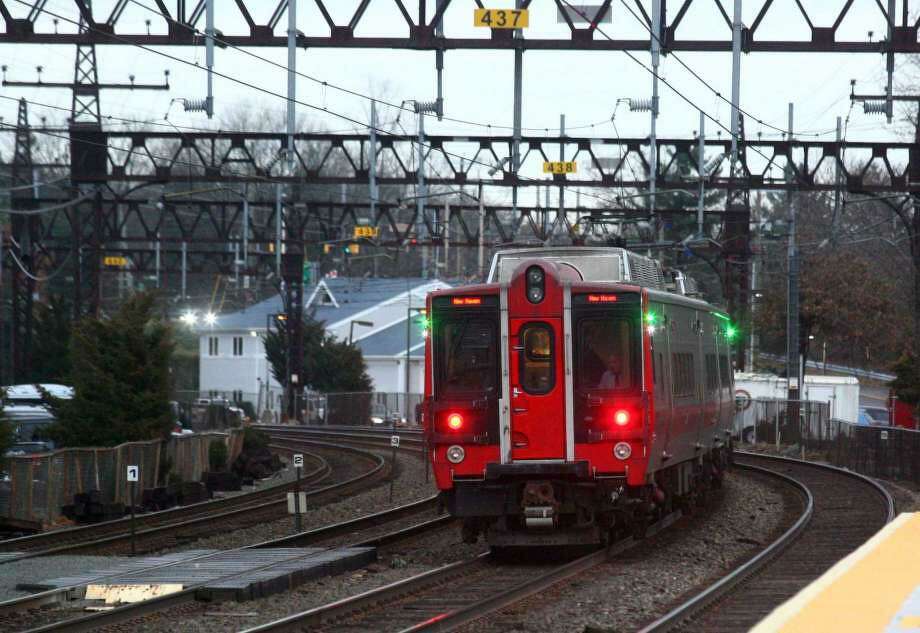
574,397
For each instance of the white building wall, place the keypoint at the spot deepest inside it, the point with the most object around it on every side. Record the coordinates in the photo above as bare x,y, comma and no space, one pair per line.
389,374
226,372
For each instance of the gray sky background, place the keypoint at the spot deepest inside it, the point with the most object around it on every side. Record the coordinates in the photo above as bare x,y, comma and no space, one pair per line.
478,85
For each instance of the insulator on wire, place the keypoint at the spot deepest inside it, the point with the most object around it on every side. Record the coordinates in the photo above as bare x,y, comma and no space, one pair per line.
426,106
875,107
194,105
640,105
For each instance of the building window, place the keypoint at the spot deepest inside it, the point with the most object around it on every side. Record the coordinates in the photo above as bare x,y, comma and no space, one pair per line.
237,345
213,348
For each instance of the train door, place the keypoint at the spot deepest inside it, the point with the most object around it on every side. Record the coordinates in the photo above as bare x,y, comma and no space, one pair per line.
537,389
664,403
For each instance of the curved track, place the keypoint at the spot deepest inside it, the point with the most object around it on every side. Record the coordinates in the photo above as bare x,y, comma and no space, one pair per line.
842,510
12,610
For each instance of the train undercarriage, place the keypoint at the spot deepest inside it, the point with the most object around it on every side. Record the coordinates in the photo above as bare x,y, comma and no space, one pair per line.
522,505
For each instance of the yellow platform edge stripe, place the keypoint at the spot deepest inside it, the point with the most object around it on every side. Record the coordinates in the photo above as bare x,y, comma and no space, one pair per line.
782,615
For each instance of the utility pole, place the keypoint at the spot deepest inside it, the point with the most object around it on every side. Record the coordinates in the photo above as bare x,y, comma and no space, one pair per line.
792,305
653,117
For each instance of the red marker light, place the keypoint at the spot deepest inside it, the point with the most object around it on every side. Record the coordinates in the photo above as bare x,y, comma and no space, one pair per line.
621,417
455,421
466,301
602,298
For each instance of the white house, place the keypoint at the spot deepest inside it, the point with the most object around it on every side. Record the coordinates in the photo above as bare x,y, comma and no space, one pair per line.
232,356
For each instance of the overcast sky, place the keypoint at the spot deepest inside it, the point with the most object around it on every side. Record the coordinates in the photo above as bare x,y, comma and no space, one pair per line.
478,85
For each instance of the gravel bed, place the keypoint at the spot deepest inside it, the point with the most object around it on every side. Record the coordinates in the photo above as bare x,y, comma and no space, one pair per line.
645,582
409,485
395,563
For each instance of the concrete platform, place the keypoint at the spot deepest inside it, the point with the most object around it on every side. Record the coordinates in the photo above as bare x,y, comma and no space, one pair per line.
222,575
874,589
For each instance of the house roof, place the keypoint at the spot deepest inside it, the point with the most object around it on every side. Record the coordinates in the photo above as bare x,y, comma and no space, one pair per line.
391,341
333,300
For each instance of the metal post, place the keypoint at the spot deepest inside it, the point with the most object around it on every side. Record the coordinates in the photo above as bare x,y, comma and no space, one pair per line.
184,269
278,228
751,353
133,485
482,237
736,78
792,314
561,215
421,193
246,236
156,261
298,521
372,162
518,104
837,181
889,63
291,78
653,117
445,236
393,450
701,160
209,55
408,348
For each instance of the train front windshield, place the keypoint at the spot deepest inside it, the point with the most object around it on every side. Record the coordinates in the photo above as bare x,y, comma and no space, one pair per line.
468,354
607,354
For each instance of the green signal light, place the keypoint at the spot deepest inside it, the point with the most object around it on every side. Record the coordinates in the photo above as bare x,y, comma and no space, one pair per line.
651,318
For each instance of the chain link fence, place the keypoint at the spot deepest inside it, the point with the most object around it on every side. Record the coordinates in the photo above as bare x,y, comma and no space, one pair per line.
805,428
37,487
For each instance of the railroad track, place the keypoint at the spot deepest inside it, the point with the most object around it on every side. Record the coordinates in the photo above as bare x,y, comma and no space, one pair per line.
447,597
412,440
12,610
163,529
842,510
84,537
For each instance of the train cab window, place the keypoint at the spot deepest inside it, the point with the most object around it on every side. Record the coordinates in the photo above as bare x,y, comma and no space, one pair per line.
468,356
606,354
537,370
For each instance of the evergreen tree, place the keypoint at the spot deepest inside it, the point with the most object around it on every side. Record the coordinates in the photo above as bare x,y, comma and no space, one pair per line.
120,377
51,341
329,365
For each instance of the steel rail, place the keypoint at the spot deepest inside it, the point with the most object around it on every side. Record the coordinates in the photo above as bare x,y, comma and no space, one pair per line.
167,517
701,601
329,613
189,594
201,513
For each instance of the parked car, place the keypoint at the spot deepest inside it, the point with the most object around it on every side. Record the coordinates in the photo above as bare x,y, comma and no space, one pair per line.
28,448
873,416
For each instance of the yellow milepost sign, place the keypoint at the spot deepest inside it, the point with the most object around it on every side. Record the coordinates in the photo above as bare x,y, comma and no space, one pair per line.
366,231
560,167
502,18
116,261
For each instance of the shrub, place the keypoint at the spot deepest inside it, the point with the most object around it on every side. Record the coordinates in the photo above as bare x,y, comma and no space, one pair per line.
254,439
217,455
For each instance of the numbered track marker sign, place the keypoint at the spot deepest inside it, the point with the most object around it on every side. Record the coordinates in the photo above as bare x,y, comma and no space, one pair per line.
502,18
298,460
560,167
394,441
133,473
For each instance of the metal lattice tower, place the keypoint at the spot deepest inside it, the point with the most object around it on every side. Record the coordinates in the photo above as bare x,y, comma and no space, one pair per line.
736,248
24,235
84,108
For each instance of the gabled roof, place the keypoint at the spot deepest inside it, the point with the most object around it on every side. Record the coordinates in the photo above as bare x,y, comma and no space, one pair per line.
391,341
350,296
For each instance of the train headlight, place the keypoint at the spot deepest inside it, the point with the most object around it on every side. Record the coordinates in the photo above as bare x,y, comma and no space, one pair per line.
455,454
622,450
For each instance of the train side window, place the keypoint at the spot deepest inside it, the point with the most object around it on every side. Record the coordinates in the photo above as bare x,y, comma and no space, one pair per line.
725,371
537,370
712,373
684,377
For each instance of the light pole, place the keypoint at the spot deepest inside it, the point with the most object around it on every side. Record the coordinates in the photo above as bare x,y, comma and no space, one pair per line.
351,328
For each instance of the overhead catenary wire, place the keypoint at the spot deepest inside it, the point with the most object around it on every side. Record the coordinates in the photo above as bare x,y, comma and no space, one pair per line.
327,84
297,101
